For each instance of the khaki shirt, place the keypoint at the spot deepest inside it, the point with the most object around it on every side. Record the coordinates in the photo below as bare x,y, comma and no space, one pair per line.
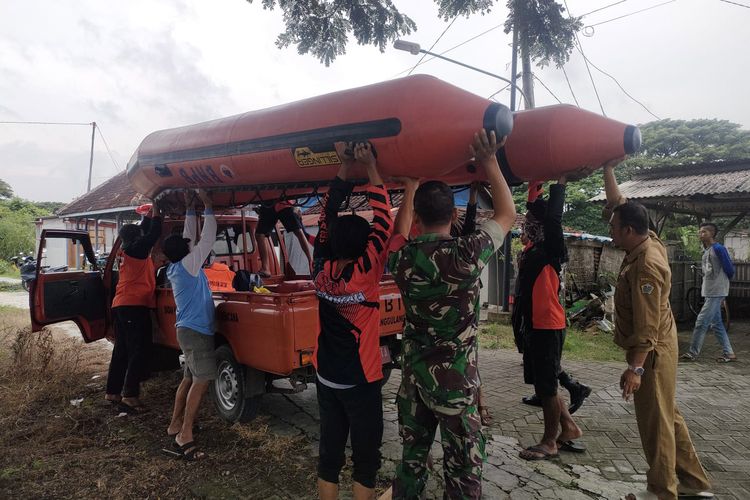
643,315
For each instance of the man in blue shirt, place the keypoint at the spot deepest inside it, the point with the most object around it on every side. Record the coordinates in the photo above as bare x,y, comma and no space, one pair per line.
195,320
717,271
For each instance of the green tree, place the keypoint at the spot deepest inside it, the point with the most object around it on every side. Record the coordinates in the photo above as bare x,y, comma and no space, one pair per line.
683,142
322,27
17,233
5,190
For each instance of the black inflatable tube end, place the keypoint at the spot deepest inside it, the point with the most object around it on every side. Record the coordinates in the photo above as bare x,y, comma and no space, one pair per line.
498,118
632,139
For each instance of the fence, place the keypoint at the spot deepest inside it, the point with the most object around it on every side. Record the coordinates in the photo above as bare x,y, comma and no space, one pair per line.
684,277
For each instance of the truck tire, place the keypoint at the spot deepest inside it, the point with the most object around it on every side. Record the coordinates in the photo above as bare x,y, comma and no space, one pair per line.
228,390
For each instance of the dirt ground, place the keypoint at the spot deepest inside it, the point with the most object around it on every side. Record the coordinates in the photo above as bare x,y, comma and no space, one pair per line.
60,439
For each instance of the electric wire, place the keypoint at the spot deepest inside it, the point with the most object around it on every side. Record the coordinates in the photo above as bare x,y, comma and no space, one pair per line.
495,93
99,129
433,44
602,8
547,88
621,87
585,60
736,3
631,14
570,86
44,123
452,48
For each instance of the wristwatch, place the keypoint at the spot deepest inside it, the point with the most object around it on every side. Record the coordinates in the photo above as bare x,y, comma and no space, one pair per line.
638,370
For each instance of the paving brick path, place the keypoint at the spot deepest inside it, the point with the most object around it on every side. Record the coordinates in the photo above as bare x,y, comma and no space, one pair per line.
714,398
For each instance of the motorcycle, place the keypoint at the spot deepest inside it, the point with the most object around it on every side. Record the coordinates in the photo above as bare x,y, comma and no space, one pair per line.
27,266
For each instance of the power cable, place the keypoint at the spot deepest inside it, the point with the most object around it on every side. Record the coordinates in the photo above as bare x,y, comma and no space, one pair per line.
494,94
602,8
585,60
735,3
619,85
433,45
452,48
570,86
547,88
44,123
589,29
99,129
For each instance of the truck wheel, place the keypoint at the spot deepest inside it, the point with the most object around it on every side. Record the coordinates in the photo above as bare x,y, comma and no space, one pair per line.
228,390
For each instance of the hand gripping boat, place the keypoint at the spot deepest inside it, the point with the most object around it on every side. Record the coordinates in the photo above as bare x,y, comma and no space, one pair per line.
420,126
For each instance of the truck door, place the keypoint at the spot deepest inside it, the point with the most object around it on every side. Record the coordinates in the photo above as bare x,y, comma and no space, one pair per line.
69,291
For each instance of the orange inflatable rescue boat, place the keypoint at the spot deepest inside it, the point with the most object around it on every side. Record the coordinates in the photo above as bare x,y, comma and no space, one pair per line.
420,126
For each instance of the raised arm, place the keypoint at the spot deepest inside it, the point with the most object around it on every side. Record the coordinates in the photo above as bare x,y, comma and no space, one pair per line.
483,149
614,196
405,215
470,219
199,252
340,188
190,228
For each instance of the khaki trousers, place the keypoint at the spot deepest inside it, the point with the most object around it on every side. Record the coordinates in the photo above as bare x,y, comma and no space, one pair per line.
664,435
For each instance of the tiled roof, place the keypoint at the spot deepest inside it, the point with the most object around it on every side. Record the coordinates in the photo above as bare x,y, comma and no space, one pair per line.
719,178
113,195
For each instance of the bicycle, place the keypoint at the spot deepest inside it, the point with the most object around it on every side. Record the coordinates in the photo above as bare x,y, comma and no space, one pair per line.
695,300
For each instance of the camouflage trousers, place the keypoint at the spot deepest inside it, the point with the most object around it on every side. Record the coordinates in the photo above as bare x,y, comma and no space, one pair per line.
461,436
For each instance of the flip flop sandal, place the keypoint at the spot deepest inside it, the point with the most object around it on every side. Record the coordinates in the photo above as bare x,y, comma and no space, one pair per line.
545,455
130,409
687,357
726,359
191,453
572,446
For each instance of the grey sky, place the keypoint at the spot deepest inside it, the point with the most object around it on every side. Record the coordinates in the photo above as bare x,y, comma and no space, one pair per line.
139,66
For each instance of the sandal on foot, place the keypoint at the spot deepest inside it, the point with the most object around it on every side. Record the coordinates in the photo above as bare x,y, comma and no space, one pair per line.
726,359
131,409
688,357
572,446
485,415
545,455
190,452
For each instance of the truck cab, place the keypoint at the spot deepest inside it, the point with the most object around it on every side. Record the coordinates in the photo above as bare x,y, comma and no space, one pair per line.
261,335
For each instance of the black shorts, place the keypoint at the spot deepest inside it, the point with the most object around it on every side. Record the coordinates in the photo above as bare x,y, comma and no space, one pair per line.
541,360
355,413
268,217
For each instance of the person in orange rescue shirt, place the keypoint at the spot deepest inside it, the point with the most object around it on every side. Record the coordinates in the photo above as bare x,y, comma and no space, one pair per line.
220,277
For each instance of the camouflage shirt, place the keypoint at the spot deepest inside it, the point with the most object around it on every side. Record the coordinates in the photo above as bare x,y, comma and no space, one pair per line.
439,282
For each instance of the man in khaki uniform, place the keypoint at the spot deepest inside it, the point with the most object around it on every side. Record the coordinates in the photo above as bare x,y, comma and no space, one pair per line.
645,328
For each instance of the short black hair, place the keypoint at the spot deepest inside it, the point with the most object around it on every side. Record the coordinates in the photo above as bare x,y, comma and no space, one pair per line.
349,235
129,234
433,203
635,215
714,228
176,247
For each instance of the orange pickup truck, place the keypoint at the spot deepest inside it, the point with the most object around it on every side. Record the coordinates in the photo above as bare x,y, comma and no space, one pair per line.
260,337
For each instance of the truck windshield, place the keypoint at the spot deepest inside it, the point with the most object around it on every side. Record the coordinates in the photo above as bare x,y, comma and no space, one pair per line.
229,240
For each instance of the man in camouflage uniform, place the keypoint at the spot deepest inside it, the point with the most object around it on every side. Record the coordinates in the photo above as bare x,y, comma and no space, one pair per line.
439,281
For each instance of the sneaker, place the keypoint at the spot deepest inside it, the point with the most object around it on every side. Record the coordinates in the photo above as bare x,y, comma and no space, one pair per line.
577,396
688,356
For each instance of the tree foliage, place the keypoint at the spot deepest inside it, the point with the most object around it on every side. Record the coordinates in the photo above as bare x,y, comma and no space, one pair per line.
5,190
550,35
17,233
322,27
683,142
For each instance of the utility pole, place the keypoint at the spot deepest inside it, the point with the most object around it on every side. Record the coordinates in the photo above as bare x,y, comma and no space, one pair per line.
528,82
91,157
507,253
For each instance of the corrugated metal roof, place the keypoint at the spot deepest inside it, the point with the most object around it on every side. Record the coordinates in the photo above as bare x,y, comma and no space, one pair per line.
724,179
